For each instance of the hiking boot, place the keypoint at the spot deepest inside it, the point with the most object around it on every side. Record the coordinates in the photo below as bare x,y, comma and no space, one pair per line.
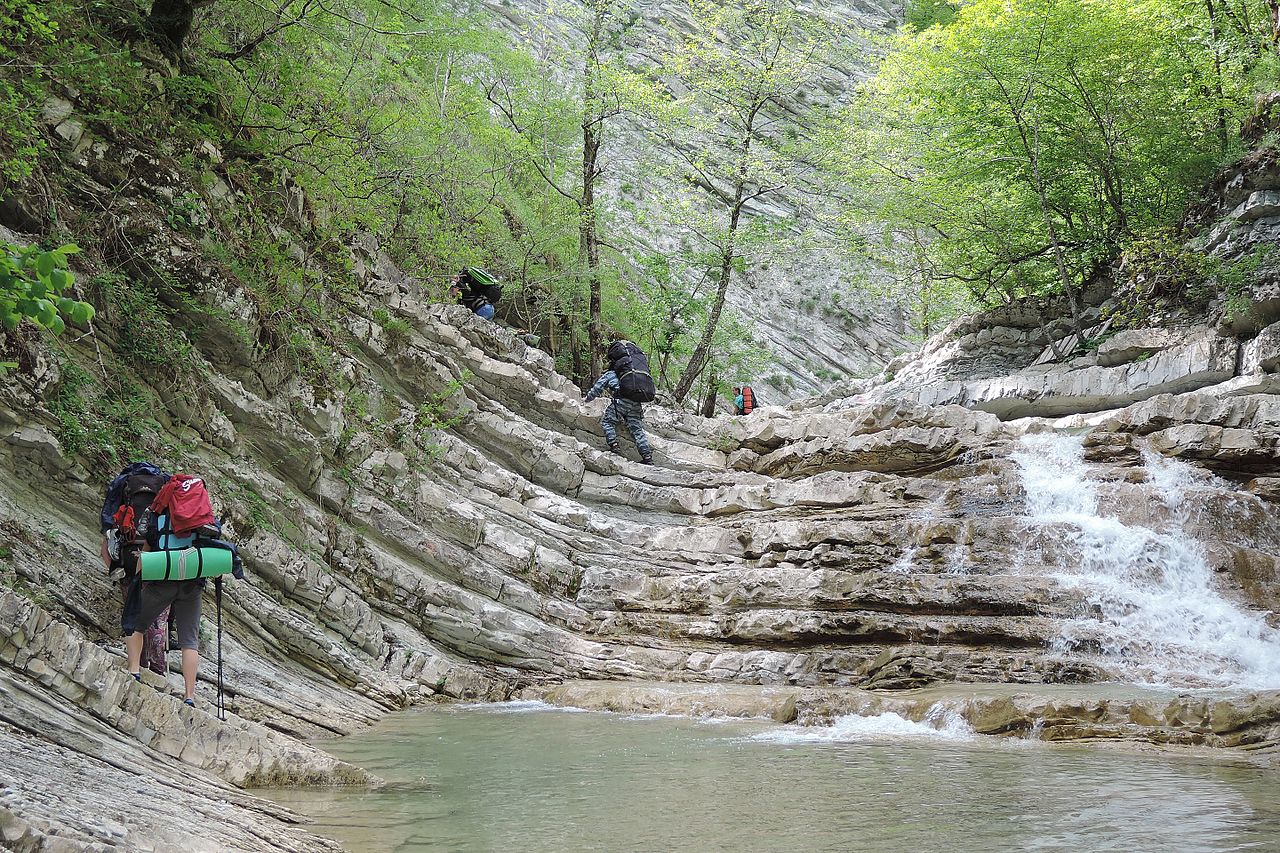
615,448
647,460
190,703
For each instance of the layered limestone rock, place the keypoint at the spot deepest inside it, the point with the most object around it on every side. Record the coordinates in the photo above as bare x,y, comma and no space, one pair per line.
879,546
136,768
436,516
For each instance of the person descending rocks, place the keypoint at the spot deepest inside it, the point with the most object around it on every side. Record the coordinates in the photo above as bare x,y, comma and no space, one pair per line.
183,548
128,496
630,385
744,400
476,289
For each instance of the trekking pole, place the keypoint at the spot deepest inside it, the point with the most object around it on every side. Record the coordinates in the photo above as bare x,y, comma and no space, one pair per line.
217,597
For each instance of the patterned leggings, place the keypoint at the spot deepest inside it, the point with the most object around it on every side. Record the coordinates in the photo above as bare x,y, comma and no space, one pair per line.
631,414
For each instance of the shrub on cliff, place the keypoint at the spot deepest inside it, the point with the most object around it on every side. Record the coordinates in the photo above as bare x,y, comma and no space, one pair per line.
1015,148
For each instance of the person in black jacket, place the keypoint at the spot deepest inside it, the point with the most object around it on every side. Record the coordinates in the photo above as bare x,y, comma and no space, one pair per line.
462,289
626,362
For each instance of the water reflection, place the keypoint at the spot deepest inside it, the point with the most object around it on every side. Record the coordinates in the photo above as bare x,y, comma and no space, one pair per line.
478,779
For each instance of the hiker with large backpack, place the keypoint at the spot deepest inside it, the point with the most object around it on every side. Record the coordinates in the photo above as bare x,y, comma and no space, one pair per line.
744,400
128,496
184,547
476,289
629,383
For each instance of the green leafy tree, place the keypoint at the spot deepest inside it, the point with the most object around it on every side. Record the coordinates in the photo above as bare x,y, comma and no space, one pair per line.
734,128
564,128
1019,146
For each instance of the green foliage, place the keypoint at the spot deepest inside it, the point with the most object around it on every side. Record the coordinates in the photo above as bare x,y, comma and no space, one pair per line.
441,412
149,339
32,282
724,442
397,329
1017,148
107,420
923,14
28,33
1158,274
1234,279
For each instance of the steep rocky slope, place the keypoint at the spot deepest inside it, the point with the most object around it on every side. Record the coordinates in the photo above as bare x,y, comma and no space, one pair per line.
912,535
802,306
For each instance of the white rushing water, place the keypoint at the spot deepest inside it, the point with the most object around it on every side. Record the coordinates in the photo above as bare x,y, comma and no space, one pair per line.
1157,616
940,723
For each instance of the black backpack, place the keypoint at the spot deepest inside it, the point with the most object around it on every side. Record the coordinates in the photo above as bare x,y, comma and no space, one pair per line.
632,369
135,488
484,285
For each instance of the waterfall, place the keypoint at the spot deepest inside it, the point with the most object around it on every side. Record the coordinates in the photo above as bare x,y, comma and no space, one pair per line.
1156,616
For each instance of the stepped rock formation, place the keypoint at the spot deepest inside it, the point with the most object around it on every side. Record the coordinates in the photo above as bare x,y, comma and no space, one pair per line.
885,540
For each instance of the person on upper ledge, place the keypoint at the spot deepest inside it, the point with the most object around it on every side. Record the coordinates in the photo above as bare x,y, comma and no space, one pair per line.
476,289
629,384
744,400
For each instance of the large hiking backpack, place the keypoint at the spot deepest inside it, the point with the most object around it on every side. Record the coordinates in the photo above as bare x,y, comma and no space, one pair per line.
484,285
127,498
190,546
631,366
184,501
748,399
185,537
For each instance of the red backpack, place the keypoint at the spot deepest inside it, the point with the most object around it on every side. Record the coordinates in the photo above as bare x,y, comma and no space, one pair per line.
748,399
185,501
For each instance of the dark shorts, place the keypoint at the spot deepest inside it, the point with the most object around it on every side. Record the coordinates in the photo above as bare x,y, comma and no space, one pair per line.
184,599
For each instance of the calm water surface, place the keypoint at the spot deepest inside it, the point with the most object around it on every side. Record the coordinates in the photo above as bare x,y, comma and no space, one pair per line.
520,777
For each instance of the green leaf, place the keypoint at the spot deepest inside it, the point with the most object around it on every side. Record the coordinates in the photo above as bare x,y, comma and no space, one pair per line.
47,314
57,326
59,279
44,264
66,305
82,313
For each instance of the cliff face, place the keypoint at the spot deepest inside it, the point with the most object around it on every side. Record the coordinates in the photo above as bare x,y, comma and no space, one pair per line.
800,301
943,527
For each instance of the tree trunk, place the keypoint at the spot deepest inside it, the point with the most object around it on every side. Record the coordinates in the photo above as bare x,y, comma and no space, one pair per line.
589,242
698,360
170,23
1032,151
588,239
708,408
1217,74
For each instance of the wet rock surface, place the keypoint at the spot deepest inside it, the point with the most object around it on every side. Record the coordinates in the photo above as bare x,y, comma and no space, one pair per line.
1247,721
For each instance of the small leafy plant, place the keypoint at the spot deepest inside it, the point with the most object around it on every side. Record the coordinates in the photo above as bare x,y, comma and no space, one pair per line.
32,282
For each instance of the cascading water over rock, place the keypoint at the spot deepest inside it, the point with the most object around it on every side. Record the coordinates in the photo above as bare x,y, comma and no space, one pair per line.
1156,615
